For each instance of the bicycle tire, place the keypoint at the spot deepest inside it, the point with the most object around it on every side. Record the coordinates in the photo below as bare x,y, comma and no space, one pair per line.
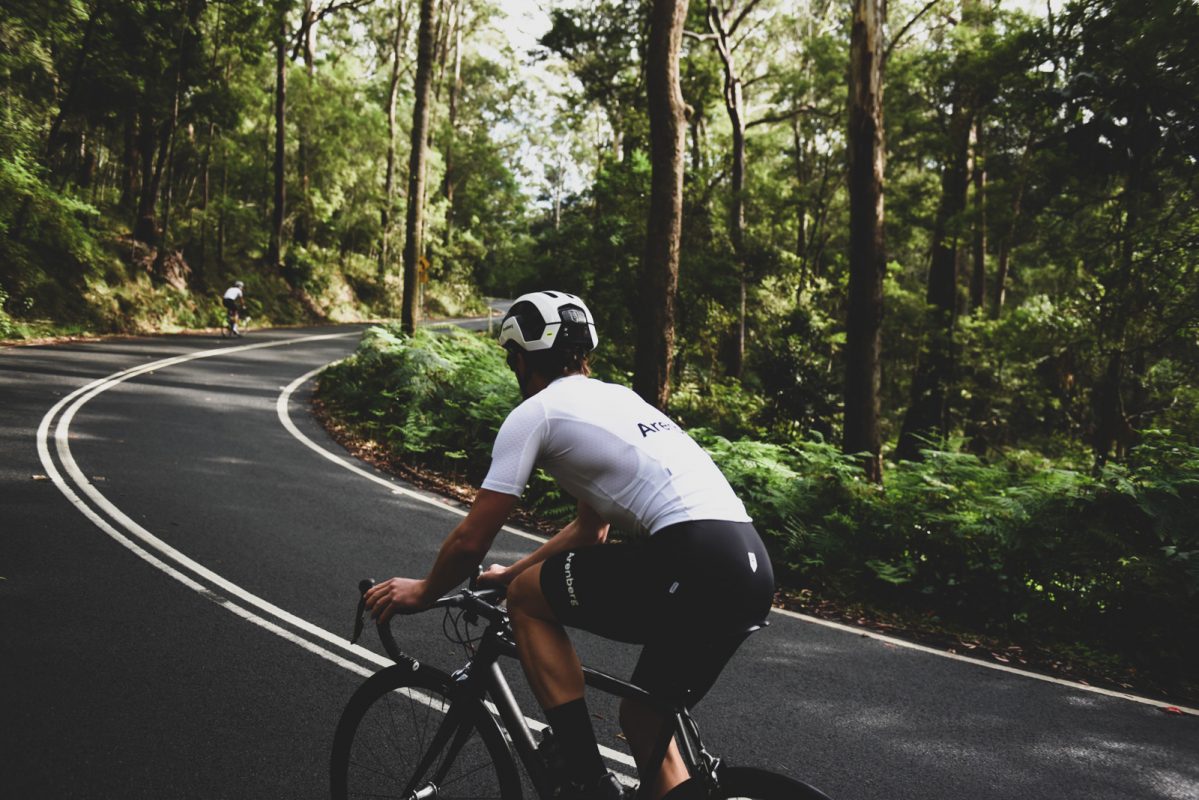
388,724
749,783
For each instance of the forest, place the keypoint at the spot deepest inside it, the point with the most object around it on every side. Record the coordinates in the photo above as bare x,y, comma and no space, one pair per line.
921,275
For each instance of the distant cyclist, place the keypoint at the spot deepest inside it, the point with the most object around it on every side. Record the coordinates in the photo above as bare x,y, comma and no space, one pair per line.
702,567
235,306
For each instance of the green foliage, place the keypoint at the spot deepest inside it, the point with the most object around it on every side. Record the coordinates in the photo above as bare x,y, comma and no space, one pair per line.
436,398
1017,546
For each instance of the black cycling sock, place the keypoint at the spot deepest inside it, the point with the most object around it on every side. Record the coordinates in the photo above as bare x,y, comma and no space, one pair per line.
576,738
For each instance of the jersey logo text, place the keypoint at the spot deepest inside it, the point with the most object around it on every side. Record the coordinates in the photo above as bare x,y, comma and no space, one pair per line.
570,581
655,427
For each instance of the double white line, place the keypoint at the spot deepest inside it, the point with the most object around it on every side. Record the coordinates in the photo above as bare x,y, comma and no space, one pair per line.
120,527
145,545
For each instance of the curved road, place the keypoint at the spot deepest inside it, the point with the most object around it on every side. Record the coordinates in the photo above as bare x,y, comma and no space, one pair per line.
179,545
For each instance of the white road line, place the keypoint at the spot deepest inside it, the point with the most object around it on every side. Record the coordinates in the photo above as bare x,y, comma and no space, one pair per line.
77,399
62,446
281,408
980,663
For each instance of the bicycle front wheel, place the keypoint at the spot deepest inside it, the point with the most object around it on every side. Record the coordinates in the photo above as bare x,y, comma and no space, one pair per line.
747,783
383,742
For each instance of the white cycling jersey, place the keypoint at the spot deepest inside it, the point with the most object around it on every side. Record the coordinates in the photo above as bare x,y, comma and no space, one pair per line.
233,293
615,452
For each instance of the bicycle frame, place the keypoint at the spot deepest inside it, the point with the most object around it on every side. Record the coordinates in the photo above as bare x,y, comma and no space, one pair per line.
482,678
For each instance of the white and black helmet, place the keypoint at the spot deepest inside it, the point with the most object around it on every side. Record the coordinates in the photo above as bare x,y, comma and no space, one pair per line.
548,320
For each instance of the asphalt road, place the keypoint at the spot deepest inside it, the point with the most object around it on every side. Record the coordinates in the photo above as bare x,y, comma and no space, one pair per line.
179,547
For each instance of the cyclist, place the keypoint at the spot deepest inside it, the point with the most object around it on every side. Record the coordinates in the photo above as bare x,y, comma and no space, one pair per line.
702,566
235,302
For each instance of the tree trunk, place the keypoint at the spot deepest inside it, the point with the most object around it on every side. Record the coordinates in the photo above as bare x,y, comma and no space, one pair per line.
169,152
1113,432
416,168
205,198
927,415
187,21
1005,247
129,171
145,226
450,178
734,104
220,218
389,180
660,269
275,253
978,275
801,207
303,221
867,242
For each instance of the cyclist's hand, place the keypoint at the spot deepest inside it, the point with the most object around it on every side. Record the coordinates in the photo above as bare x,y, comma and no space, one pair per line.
396,596
496,576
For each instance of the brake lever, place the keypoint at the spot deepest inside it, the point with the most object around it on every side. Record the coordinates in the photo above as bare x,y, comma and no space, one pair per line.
359,617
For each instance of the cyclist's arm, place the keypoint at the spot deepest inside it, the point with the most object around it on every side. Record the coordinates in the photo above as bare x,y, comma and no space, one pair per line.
459,558
587,528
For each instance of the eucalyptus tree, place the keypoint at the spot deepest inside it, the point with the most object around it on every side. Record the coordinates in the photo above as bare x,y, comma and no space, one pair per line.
741,33
867,242
660,269
414,224
394,47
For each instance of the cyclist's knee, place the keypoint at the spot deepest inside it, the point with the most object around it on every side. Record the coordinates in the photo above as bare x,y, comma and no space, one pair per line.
524,593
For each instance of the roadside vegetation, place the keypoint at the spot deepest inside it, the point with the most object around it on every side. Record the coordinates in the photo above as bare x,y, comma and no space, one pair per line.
1096,570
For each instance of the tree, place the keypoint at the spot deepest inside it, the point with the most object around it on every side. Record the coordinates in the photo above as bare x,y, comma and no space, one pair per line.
867,243
413,250
722,33
275,251
397,40
660,270
927,415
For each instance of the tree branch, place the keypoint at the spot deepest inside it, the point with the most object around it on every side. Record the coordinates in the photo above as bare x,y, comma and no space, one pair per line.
905,29
792,114
750,6
333,8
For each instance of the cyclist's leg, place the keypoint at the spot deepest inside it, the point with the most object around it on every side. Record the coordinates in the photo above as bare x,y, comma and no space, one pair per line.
613,590
555,675
545,650
644,728
719,583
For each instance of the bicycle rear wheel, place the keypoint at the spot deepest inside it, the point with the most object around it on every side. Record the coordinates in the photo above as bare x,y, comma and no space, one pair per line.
748,783
388,727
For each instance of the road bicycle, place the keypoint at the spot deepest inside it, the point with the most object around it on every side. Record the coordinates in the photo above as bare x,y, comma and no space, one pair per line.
235,322
414,732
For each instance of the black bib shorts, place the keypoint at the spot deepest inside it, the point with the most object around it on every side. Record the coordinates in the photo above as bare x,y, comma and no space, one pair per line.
688,593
